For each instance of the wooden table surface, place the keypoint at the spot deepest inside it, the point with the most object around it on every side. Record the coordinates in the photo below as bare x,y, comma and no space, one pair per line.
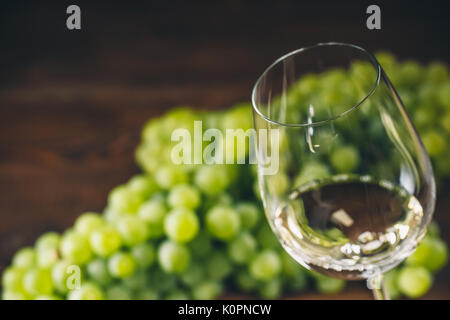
72,103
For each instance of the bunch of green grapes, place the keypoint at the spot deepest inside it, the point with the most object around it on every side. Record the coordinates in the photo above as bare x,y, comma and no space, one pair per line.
197,231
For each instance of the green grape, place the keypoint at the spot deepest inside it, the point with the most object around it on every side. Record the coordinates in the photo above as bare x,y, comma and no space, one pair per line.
409,99
333,78
12,279
121,265
152,131
245,281
239,117
75,248
153,212
144,254
327,285
60,274
424,117
224,199
179,117
170,175
38,281
105,241
173,257
266,265
444,94
278,183
427,96
218,266
422,253
118,292
212,179
97,270
87,291
132,230
148,156
249,214
410,73
362,74
311,171
49,240
414,281
124,200
445,122
184,196
223,222
345,159
436,72
334,100
201,246
136,281
271,289
111,216
434,143
88,222
147,294
207,291
143,185
193,275
390,283
181,225
177,295
25,258
46,257
431,253
266,238
307,84
386,60
433,229
242,248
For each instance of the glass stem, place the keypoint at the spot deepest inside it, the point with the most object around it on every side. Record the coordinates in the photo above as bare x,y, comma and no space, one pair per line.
376,284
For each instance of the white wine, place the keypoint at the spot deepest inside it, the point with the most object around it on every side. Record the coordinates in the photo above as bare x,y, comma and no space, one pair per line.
348,226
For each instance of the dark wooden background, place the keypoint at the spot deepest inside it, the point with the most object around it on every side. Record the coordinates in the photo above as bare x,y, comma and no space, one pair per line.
72,103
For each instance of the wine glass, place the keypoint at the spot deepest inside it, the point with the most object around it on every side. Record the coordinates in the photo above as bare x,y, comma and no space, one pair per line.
345,181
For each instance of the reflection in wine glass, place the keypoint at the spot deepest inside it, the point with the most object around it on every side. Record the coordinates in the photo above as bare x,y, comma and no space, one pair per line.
355,190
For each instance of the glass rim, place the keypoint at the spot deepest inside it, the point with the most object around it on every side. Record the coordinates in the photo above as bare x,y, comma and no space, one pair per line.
371,57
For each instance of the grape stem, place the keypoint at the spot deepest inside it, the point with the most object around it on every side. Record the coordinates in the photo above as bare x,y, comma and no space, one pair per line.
376,284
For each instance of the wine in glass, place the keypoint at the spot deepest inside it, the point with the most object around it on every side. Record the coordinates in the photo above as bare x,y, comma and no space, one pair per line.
354,189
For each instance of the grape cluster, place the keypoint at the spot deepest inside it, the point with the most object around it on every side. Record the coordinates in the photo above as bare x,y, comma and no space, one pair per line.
158,241
197,231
